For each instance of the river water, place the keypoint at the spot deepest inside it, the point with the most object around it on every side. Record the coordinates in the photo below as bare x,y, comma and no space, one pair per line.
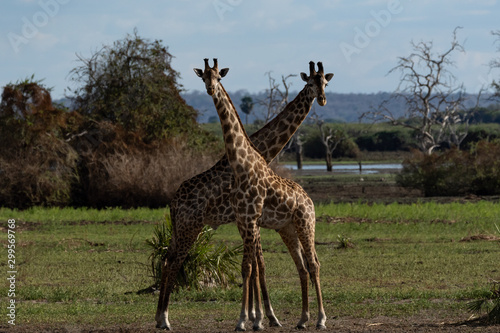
350,168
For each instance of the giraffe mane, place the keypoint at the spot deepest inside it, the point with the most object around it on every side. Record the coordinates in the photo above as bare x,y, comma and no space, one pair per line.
238,118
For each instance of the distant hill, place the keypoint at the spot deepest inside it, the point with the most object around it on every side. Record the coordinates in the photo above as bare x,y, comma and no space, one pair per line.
66,102
340,107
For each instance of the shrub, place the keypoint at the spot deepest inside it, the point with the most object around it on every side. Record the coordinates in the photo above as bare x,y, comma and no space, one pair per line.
37,165
490,303
384,141
207,264
454,172
476,133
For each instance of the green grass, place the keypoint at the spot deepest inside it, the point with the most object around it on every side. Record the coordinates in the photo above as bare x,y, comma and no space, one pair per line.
55,214
406,259
481,214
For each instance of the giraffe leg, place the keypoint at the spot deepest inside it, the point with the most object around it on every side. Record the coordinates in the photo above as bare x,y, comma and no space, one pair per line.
249,232
273,321
305,233
292,242
246,268
251,305
257,281
255,314
176,255
257,311
161,316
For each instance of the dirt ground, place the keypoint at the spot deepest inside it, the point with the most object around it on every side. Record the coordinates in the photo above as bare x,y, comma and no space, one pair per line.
426,322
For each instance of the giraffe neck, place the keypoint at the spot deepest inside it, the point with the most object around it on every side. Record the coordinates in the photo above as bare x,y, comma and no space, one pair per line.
239,148
271,139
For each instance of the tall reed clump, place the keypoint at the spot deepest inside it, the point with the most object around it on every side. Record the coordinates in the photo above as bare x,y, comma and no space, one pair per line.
207,264
129,173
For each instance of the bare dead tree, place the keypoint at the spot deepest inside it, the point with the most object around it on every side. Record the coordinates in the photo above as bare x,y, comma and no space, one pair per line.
330,137
275,101
276,96
435,102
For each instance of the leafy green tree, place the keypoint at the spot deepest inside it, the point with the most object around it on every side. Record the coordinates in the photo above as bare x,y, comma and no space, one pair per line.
132,83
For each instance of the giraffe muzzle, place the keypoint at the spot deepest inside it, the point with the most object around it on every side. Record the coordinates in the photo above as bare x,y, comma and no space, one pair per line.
322,100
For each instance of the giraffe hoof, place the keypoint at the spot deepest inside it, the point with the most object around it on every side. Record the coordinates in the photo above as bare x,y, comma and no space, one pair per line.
274,324
239,329
163,327
321,327
258,328
300,327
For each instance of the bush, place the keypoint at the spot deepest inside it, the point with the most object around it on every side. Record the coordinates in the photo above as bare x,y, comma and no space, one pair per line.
486,168
384,141
476,133
37,165
454,172
207,264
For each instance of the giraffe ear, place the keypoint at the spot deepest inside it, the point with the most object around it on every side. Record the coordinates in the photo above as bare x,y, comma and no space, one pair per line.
328,76
223,72
304,76
198,72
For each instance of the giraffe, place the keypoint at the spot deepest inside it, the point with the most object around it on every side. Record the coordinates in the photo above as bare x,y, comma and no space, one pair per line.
204,199
261,198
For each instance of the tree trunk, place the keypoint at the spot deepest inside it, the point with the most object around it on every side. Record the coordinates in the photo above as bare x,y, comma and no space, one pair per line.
298,155
328,158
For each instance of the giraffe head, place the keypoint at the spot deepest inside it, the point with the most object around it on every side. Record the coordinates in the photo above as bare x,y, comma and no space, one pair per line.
317,81
211,75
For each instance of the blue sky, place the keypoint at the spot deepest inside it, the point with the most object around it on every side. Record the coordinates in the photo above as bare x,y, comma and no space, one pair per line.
359,41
